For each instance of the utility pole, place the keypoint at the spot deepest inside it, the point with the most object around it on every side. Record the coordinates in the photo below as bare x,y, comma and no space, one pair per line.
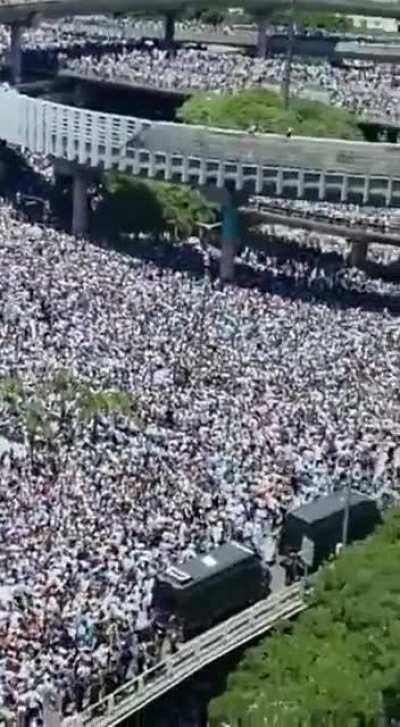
289,59
346,513
205,230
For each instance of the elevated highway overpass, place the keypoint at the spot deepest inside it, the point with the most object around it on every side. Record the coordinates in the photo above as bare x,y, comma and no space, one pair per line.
375,52
329,47
228,162
20,13
12,11
359,235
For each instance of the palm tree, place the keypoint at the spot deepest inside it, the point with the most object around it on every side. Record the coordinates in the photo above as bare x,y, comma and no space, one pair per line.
35,407
93,402
65,388
34,425
12,392
90,404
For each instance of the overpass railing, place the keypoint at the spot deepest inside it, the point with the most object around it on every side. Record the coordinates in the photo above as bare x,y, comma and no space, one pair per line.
190,658
267,164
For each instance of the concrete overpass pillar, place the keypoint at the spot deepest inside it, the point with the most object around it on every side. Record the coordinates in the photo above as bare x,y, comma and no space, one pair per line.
16,53
80,217
358,253
169,30
230,241
392,136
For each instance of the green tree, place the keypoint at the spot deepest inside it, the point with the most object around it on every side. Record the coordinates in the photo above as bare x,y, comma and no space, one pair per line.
12,391
92,403
27,404
130,207
338,663
316,19
265,110
183,208
36,423
211,16
42,409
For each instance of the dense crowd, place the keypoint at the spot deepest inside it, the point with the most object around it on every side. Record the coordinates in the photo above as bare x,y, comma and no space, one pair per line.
109,28
368,89
384,220
105,48
245,401
248,401
78,32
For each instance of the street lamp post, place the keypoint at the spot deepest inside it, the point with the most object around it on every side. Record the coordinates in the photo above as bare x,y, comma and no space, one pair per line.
346,512
289,59
346,515
205,228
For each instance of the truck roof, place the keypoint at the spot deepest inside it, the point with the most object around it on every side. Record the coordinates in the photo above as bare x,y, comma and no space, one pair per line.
209,564
323,507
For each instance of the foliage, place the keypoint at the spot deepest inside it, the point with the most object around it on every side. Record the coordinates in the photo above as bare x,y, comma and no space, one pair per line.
211,16
264,110
316,19
130,207
338,663
27,404
303,19
42,409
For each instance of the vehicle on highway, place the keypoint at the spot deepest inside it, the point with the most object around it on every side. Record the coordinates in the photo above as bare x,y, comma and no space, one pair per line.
315,530
202,591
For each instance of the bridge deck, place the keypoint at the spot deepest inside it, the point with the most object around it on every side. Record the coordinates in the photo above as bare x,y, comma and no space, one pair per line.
261,164
191,657
328,227
14,10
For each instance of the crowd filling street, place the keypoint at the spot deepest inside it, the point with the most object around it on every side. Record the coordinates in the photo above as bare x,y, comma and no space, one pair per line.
367,89
353,215
249,400
103,49
245,401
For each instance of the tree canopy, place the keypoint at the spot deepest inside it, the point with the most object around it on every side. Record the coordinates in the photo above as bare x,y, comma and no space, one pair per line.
41,409
130,206
316,19
337,665
264,110
303,18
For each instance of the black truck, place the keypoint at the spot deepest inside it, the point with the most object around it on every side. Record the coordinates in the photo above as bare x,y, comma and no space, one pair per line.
315,529
202,591
207,589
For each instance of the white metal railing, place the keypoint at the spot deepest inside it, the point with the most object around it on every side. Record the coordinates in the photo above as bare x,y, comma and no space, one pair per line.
259,163
191,657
